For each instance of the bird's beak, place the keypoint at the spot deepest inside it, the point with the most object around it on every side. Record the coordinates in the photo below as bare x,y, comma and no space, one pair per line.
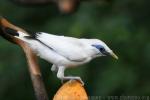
114,55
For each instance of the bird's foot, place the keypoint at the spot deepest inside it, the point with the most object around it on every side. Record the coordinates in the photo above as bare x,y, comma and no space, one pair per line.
73,79
60,75
78,79
62,81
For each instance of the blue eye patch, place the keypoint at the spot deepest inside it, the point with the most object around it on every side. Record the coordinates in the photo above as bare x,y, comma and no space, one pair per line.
97,46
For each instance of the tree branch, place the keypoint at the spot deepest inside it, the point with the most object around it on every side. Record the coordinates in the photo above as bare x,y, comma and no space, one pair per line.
35,74
33,67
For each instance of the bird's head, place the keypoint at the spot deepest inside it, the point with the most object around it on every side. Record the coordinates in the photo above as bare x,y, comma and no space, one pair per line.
102,49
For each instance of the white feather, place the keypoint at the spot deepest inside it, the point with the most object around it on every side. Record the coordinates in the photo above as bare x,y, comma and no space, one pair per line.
70,48
62,50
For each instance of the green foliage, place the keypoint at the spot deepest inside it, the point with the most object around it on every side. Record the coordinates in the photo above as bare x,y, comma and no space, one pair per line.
122,24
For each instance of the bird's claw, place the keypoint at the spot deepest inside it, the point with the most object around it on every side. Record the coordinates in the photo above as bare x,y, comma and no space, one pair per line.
62,81
72,79
78,79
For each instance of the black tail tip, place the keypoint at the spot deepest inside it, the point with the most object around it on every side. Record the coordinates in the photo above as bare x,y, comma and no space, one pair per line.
11,31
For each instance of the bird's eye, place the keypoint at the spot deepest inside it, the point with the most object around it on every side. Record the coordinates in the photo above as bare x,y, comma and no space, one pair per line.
102,49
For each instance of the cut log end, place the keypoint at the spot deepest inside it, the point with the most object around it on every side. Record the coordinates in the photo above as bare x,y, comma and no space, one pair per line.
71,91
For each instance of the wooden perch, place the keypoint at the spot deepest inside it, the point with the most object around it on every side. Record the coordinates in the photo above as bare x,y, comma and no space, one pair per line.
33,67
71,91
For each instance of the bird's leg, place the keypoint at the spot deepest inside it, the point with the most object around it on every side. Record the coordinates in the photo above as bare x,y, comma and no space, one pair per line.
60,75
54,68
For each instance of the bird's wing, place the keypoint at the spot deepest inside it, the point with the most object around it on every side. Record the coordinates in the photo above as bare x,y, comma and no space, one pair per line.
69,47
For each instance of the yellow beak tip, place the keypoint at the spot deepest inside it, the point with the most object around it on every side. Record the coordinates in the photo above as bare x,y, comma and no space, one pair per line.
114,55
117,58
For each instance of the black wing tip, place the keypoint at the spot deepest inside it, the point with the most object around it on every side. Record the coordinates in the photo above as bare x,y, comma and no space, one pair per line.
33,35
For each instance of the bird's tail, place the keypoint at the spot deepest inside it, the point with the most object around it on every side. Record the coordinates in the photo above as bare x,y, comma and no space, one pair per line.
10,31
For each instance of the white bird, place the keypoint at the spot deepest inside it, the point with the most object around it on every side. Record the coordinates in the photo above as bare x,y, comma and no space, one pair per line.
62,51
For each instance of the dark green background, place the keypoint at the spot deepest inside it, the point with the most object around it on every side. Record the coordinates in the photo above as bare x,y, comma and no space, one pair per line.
123,24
